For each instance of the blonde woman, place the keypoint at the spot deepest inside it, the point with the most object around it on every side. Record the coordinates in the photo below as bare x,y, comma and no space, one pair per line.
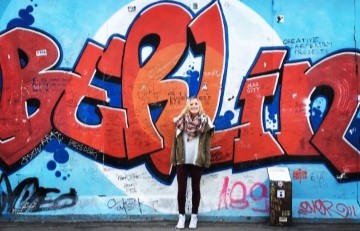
190,154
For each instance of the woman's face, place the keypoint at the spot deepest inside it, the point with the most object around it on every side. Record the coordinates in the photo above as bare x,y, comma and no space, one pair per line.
194,106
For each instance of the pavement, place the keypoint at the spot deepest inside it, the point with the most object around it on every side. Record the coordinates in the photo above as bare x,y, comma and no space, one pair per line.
170,225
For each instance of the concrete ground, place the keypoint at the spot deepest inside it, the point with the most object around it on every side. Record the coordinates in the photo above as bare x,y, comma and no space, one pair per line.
167,225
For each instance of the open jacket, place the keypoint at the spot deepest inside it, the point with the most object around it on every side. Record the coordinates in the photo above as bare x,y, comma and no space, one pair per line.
203,158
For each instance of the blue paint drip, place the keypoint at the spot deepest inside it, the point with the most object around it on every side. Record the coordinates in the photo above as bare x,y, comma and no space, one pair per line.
57,173
192,78
318,109
193,81
54,145
224,122
51,165
272,114
316,118
273,110
61,156
25,20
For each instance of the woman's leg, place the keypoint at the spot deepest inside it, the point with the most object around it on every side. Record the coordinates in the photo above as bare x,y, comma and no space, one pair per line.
182,175
196,173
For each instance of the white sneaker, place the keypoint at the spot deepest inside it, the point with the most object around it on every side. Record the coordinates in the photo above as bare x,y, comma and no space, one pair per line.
193,221
181,222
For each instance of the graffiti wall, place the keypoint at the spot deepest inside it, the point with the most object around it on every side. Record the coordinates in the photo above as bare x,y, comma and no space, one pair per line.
88,91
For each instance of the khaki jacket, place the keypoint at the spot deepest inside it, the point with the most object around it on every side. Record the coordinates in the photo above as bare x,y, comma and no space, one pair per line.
203,159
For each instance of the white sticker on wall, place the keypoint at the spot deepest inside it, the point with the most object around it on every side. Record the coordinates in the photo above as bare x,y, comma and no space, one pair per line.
280,193
41,52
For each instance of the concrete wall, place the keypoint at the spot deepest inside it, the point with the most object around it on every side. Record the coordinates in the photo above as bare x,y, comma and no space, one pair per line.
89,90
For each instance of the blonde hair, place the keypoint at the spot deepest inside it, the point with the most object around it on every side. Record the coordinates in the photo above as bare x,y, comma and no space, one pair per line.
186,109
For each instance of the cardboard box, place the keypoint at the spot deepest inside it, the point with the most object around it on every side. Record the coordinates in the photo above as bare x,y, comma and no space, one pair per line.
280,196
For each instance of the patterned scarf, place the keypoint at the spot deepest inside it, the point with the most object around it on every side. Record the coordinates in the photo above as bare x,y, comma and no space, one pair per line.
192,127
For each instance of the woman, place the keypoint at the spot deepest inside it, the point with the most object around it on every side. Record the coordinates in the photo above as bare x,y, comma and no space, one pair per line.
190,153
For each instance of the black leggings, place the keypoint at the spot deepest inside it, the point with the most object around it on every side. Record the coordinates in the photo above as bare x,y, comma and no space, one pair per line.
182,173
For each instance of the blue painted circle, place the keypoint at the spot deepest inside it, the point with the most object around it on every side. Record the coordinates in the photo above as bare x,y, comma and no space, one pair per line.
57,173
61,156
51,165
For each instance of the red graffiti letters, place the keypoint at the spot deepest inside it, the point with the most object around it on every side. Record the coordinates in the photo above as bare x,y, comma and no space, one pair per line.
113,121
130,131
294,136
26,60
344,82
300,174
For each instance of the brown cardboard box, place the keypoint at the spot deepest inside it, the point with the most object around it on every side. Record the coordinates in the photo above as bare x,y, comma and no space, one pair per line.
280,196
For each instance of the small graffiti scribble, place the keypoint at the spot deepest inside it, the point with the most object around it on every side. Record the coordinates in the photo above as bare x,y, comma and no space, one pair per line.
300,174
25,20
28,196
327,208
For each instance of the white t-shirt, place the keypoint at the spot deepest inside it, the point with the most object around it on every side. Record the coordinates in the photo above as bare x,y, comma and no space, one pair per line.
191,148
